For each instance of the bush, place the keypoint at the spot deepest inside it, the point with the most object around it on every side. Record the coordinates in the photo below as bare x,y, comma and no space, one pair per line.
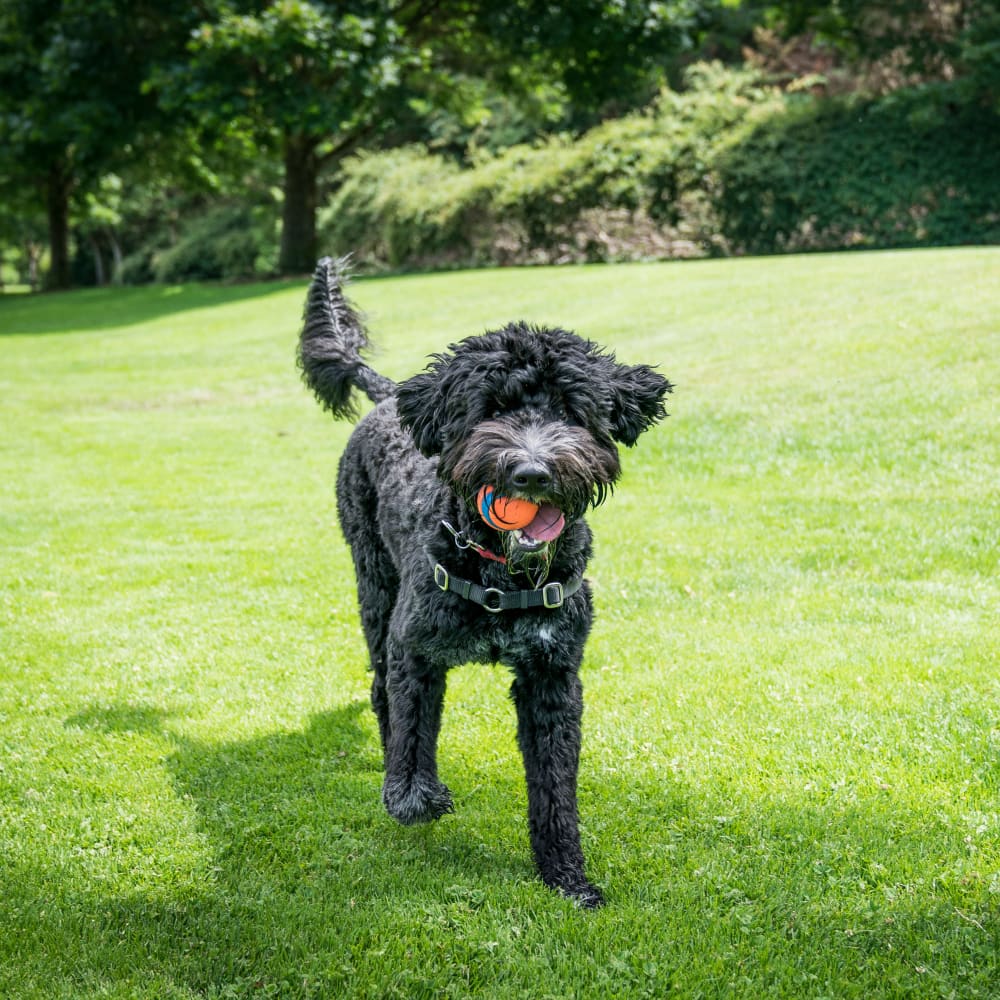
230,241
643,173
388,208
910,169
726,166
138,266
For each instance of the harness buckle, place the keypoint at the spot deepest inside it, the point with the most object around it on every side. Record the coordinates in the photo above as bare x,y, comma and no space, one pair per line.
552,595
441,577
491,594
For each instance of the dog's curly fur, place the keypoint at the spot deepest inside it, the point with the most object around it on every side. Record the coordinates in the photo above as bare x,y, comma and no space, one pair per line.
537,413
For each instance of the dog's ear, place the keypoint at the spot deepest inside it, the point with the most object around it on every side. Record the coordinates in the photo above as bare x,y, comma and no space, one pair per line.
637,401
420,404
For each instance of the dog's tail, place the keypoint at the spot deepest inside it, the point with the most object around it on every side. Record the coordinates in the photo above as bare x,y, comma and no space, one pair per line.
332,340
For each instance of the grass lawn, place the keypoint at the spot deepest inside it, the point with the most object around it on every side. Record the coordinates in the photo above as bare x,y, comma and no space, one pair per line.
789,784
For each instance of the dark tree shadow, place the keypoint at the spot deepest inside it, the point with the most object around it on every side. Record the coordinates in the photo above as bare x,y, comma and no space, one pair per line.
291,880
106,308
119,719
296,846
85,309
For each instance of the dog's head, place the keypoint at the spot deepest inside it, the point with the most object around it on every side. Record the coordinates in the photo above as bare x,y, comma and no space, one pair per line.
534,412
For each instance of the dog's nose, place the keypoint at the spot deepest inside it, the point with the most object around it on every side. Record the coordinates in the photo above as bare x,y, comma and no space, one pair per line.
530,478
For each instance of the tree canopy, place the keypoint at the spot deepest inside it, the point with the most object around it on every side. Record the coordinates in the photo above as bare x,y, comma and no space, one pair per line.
255,93
313,80
73,101
925,39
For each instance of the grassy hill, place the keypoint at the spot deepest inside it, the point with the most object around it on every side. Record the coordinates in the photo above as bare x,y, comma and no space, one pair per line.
791,758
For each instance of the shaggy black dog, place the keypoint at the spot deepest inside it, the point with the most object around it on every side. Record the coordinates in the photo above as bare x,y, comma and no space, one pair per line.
535,414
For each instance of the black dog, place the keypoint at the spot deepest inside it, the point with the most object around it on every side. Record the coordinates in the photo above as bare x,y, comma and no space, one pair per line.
534,414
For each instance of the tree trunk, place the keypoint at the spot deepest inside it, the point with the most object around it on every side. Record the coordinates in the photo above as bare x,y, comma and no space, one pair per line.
57,202
298,219
95,249
33,253
116,258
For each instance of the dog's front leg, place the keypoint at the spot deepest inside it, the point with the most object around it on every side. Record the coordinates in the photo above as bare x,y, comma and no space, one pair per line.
549,707
415,691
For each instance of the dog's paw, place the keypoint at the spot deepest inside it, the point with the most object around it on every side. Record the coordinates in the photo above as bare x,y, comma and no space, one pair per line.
587,896
578,889
416,801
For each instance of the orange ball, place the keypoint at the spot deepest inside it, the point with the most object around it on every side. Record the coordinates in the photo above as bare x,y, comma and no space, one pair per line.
504,513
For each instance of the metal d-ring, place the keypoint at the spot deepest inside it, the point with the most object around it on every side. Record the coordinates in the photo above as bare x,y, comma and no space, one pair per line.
460,541
488,594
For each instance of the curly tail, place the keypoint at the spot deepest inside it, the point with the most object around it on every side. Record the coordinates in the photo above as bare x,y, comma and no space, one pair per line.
332,340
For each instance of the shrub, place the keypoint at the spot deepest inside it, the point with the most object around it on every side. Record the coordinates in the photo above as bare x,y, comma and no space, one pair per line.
909,169
728,165
230,241
644,172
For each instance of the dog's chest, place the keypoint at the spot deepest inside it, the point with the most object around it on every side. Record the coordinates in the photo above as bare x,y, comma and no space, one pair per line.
506,641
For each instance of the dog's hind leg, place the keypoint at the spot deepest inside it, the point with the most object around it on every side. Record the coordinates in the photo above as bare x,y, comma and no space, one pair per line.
376,607
412,792
377,579
549,708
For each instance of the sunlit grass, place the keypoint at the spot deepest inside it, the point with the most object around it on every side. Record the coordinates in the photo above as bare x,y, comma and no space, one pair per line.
791,752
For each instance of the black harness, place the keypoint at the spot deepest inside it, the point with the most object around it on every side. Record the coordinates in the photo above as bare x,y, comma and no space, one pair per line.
549,595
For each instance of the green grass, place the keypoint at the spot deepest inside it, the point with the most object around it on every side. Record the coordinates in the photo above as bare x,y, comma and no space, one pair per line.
789,784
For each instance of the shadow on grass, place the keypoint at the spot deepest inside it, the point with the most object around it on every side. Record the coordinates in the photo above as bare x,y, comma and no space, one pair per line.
119,719
86,309
297,871
309,804
105,308
292,881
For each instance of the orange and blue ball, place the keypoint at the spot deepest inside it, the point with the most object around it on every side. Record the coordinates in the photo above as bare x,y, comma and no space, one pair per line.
504,513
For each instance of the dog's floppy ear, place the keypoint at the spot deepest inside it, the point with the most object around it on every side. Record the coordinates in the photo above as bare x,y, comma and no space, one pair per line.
420,404
637,401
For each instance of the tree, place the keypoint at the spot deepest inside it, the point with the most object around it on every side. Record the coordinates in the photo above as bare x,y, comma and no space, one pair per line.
924,39
314,80
72,98
98,224
22,238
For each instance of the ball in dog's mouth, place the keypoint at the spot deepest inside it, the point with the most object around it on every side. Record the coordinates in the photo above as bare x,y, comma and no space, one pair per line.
546,526
530,525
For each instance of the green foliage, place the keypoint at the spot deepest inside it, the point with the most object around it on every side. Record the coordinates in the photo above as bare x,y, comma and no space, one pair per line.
22,244
390,207
791,751
230,241
199,98
980,56
909,169
291,66
925,39
541,202
604,53
726,165
314,79
71,79
72,101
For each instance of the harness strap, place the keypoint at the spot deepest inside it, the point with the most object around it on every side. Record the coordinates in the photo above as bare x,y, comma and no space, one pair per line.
551,595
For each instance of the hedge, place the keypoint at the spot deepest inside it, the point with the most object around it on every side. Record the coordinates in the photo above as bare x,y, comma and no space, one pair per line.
910,169
645,172
230,240
728,165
